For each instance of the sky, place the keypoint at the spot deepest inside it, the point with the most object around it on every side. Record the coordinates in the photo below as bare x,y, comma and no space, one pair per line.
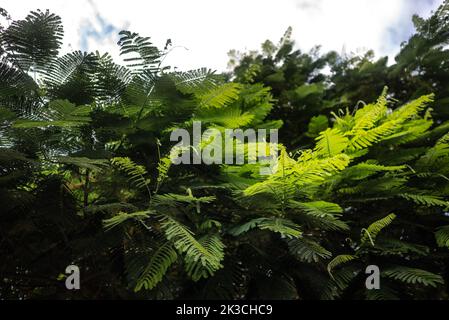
203,31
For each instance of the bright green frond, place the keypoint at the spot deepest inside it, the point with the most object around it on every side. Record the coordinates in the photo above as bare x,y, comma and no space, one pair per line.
370,234
219,96
330,143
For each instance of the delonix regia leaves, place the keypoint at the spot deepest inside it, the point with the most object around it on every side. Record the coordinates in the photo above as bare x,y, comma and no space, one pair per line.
87,177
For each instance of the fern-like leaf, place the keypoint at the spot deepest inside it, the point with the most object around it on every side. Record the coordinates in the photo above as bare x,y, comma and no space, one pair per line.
442,236
219,96
339,260
201,257
158,265
34,41
308,250
413,276
330,143
284,227
139,53
426,200
122,217
369,234
135,172
322,214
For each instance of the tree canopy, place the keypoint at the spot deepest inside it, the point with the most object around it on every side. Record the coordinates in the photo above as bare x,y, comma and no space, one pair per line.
87,176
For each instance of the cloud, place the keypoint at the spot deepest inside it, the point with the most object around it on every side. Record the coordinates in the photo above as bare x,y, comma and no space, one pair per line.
209,29
89,32
308,4
98,33
402,29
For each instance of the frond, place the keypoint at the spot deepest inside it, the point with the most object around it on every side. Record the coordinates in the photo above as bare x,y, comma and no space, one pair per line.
370,234
230,118
339,282
243,228
72,77
318,208
307,250
410,131
305,171
34,41
158,265
140,88
200,256
121,217
367,117
163,166
364,132
111,79
174,200
444,139
286,228
442,236
321,214
386,247
339,260
257,100
58,113
195,81
412,108
365,169
135,172
15,83
330,143
139,53
312,171
384,293
214,245
413,276
364,139
219,96
384,187
83,162
426,200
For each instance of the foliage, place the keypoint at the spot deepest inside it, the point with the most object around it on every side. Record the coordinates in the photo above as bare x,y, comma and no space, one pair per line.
87,176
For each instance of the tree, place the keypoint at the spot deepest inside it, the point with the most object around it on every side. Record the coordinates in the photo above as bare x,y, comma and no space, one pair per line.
307,85
87,177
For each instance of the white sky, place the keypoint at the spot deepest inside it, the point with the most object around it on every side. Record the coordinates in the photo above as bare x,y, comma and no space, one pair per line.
210,28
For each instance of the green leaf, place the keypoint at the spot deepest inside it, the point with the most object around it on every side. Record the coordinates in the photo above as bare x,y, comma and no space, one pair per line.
339,260
219,96
330,142
413,276
284,227
370,234
158,265
442,236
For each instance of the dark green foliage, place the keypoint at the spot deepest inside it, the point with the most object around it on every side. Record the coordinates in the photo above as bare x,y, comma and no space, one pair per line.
308,84
86,173
32,43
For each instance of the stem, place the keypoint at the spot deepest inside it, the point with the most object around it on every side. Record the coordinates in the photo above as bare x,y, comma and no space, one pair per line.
85,188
